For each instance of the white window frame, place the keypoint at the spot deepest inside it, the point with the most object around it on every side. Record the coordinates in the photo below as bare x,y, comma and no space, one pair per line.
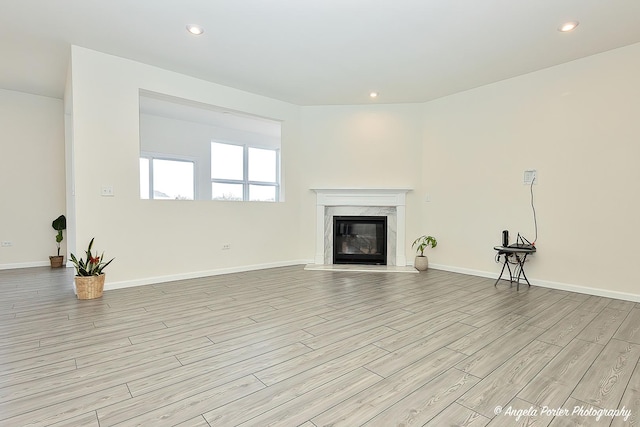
245,182
158,156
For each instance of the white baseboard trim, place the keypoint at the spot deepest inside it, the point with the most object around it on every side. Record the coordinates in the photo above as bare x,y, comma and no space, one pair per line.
25,265
480,273
198,274
461,270
546,284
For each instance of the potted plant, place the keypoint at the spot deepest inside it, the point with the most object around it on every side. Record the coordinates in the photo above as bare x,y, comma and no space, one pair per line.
89,277
59,224
421,243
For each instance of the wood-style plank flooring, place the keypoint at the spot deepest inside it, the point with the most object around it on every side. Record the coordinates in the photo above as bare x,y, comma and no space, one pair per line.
289,347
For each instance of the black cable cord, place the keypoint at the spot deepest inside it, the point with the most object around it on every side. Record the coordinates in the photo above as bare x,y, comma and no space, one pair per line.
522,239
533,208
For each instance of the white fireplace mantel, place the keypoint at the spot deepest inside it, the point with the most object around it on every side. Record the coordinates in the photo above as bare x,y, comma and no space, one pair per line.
382,197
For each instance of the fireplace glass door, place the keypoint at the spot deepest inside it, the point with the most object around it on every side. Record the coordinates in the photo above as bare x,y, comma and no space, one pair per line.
360,240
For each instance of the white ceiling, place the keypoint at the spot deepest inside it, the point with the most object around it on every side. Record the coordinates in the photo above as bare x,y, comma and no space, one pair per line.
314,52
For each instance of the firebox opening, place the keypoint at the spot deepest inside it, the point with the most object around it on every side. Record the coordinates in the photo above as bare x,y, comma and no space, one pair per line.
360,240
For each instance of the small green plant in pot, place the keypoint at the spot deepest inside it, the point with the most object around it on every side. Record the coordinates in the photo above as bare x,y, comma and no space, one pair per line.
59,224
89,278
421,243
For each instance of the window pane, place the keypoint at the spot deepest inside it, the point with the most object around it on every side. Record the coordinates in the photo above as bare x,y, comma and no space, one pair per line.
173,179
262,165
262,193
222,191
144,178
227,161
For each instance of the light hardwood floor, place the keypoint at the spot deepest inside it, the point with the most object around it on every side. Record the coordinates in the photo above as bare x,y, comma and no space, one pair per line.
289,347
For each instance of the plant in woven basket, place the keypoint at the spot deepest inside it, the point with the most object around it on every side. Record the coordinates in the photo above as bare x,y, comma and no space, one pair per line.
59,224
94,264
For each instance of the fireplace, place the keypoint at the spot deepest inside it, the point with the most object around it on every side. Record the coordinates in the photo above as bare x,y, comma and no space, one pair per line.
360,240
361,202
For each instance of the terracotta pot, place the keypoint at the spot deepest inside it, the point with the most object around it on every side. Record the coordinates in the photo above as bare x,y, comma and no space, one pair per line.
422,263
56,261
89,287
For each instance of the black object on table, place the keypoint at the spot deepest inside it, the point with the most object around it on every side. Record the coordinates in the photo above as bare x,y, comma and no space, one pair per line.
519,253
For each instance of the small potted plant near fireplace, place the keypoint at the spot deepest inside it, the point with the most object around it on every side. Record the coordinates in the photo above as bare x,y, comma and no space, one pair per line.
89,277
59,224
421,243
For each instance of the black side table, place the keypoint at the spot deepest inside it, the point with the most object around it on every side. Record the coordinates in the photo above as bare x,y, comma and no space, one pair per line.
519,253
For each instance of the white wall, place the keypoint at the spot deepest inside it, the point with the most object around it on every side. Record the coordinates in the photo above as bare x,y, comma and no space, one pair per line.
32,176
373,146
155,239
577,124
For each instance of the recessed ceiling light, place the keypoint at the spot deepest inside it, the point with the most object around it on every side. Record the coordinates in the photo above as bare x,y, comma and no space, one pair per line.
568,26
196,30
373,94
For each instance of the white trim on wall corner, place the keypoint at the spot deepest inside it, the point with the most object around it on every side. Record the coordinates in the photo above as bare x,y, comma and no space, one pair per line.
545,284
198,274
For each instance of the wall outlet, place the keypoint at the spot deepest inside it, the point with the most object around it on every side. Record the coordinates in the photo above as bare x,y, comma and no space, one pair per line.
226,246
6,244
107,191
530,176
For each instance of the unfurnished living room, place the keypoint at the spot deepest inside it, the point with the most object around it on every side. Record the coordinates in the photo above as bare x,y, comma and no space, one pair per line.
214,213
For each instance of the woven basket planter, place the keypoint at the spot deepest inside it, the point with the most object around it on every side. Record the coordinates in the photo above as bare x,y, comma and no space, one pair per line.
89,287
56,261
